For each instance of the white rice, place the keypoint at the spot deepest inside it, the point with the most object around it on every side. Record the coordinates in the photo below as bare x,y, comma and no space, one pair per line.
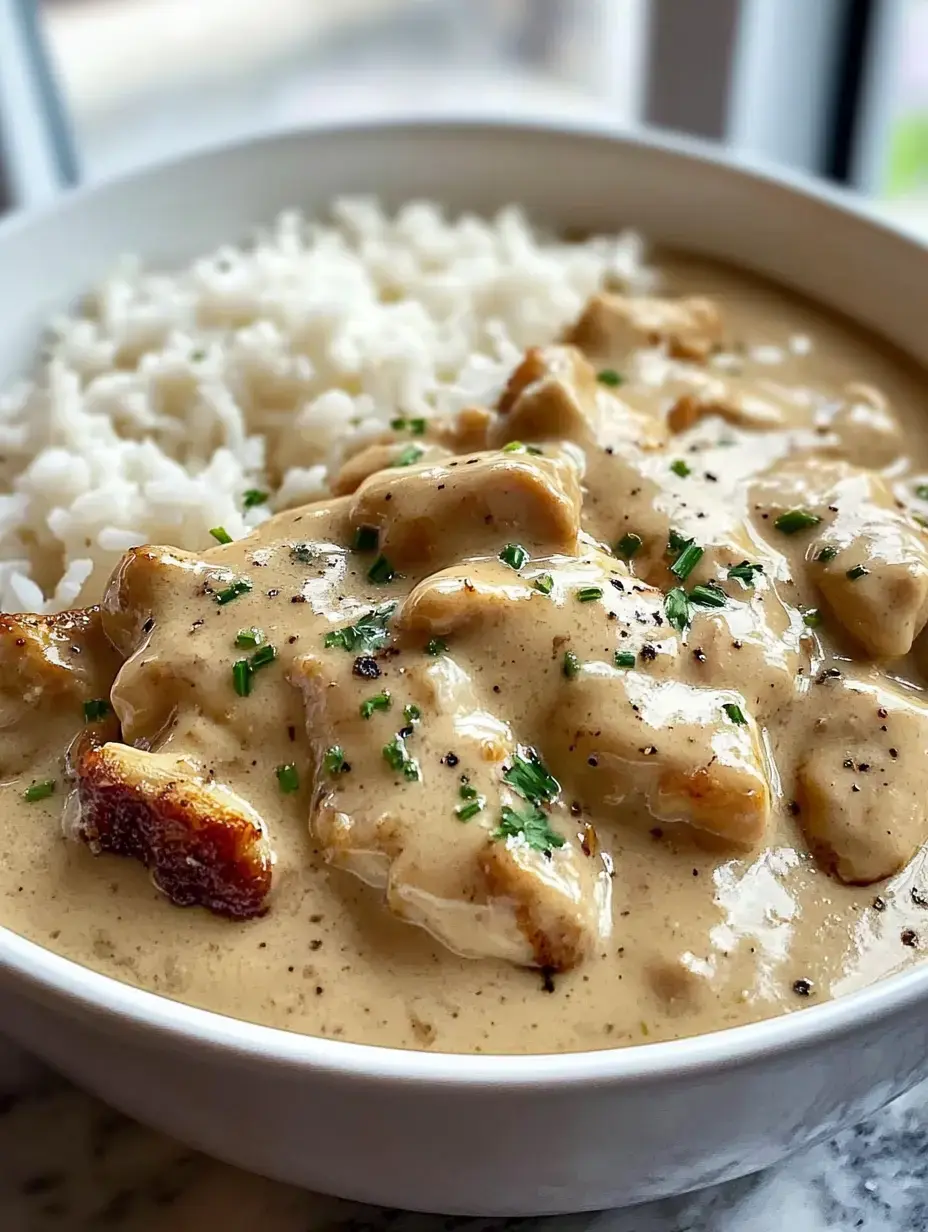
261,367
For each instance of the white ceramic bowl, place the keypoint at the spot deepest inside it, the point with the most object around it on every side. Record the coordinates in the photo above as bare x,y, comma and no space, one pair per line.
477,1134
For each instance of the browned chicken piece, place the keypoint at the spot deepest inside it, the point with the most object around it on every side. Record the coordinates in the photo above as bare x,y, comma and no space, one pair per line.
383,456
205,846
480,892
429,516
868,557
50,666
612,326
862,785
554,394
760,405
467,431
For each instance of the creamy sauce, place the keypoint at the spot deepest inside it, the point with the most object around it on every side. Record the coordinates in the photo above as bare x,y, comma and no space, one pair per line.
675,904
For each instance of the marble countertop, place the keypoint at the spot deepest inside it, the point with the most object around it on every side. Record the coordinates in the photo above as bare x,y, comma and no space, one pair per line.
70,1164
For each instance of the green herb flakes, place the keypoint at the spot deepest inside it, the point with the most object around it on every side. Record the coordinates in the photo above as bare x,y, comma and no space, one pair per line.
262,657
254,496
469,810
514,555
381,571
333,761
249,639
242,677
628,546
677,609
570,664
812,619
544,583
398,759
234,590
530,825
531,778
624,658
677,542
220,534
709,595
681,468
408,456
370,632
922,491
39,791
745,572
303,553
796,520
436,646
735,713
412,713
366,539
687,561
288,777
95,709
589,594
380,701
609,376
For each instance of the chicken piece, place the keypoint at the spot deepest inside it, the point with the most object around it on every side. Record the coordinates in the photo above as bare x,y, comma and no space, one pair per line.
860,428
612,326
478,891
625,737
468,431
761,405
868,558
204,845
50,666
554,394
862,784
428,516
383,456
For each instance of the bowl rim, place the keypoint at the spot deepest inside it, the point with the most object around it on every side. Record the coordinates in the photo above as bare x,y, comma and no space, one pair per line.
45,976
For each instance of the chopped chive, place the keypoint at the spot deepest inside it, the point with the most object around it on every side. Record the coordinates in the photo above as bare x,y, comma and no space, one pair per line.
628,546
380,701
417,427
240,586
681,468
408,456
677,542
677,609
745,572
412,713
39,791
795,520
514,555
609,376
398,424
465,812
922,491
708,596
288,778
529,824
436,646
544,583
369,633
531,778
624,658
366,539
570,664
826,554
262,657
302,552
687,561
398,759
812,619
858,571
333,761
241,677
589,594
513,447
254,496
534,450
249,639
96,708
381,571
466,792
220,534
735,713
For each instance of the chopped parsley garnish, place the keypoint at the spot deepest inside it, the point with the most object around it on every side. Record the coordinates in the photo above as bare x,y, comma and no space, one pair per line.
370,632
812,618
628,546
240,586
220,534
531,778
624,658
826,554
241,677
380,701
589,594
677,609
381,571
39,791
687,561
288,777
416,426
795,520
436,646
398,759
609,376
530,825
262,657
858,571
412,713
735,713
408,456
570,664
366,539
745,572
922,491
514,555
254,496
681,468
249,639
466,792
96,708
708,596
544,583
677,542
470,809
333,761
